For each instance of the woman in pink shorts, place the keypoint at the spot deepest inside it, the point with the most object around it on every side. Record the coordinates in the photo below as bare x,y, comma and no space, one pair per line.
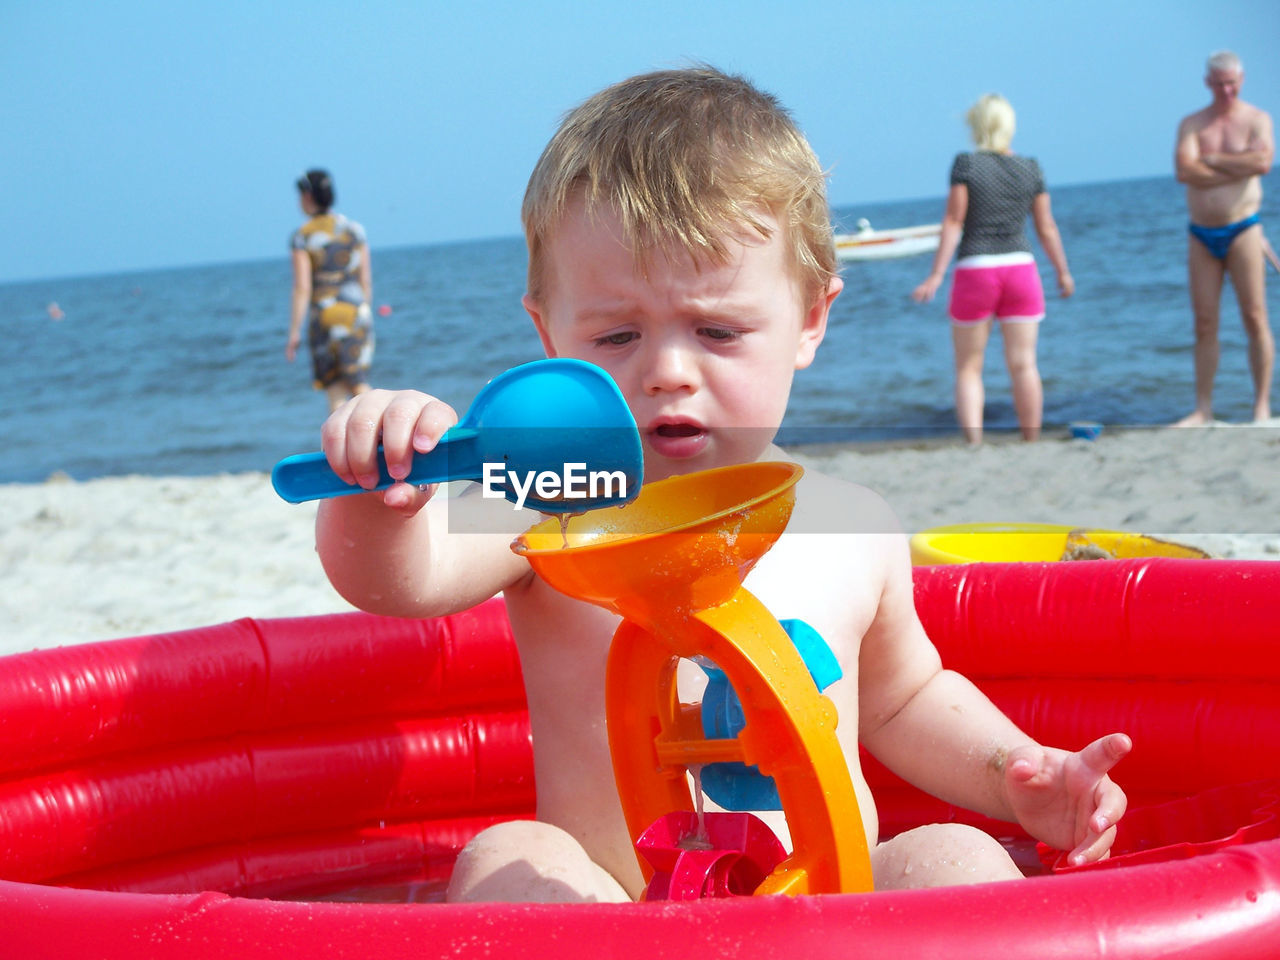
992,192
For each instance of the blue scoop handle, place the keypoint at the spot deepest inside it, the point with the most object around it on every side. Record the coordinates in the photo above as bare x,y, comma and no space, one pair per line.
547,417
308,476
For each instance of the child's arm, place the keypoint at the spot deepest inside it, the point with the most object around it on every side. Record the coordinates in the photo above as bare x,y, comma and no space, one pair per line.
938,731
383,551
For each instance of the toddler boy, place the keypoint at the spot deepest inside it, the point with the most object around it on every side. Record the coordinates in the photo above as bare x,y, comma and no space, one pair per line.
679,237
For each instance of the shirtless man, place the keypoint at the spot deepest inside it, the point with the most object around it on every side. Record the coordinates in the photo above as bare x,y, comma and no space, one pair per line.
1222,152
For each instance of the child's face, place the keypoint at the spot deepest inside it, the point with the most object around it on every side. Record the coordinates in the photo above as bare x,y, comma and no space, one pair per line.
704,353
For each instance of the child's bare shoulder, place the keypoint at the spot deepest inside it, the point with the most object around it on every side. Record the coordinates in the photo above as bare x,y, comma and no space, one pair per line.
829,504
841,548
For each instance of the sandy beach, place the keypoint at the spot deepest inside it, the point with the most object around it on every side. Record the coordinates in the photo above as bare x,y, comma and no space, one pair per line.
83,561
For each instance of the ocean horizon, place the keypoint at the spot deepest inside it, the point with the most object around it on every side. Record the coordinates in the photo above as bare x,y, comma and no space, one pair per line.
181,370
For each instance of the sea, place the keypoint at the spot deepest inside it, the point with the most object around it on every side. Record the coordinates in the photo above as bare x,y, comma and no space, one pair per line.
182,371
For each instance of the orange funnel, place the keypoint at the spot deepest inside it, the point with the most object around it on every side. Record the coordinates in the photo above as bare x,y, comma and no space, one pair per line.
684,544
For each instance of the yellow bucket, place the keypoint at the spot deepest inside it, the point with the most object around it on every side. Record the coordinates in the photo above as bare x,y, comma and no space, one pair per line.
1010,542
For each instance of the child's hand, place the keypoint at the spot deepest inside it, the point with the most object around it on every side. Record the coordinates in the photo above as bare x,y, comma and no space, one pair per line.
404,422
1066,799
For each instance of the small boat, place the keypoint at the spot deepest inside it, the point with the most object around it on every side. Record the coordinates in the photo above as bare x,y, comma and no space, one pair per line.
869,244
202,794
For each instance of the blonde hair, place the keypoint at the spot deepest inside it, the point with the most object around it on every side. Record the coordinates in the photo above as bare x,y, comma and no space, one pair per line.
683,157
992,122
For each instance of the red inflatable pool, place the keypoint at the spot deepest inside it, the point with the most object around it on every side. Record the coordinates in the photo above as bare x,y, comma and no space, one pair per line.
157,792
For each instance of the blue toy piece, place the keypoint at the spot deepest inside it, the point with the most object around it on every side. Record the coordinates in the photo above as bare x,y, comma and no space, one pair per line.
737,786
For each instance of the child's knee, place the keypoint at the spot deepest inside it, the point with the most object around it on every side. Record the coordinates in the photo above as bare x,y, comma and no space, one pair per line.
940,855
525,861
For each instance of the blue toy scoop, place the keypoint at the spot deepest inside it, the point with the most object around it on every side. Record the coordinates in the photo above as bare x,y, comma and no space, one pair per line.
554,435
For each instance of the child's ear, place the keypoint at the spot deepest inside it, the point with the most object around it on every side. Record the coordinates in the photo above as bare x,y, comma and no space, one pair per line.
815,323
534,310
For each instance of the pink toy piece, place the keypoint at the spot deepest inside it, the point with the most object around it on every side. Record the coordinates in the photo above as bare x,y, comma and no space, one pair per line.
739,851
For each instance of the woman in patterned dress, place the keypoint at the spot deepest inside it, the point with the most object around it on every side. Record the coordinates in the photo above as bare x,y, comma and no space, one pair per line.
332,288
992,192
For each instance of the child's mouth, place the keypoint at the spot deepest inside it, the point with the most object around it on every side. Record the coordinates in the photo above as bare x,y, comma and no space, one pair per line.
678,430
678,439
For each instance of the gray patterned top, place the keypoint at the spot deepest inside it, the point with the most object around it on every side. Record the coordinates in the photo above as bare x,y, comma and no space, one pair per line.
1001,188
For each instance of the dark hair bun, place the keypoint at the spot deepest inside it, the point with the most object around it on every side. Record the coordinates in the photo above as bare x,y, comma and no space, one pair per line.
319,185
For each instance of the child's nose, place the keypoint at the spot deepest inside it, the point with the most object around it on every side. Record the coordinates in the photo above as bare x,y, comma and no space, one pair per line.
670,368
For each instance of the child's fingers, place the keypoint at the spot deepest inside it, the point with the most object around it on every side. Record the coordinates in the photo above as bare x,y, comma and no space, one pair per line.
397,438
1095,846
433,420
400,429
363,434
1111,806
402,423
406,499
1105,752
1023,763
333,440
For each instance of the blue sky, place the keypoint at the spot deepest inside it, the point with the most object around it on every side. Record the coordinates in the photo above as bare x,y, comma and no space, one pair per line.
153,134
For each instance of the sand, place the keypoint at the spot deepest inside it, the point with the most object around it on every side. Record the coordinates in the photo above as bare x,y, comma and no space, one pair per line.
84,561
1217,488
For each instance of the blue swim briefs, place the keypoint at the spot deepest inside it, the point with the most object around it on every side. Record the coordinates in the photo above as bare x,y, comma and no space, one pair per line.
1217,240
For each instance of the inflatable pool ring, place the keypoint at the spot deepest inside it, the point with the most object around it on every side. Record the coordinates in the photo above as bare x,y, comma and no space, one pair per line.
1008,542
154,790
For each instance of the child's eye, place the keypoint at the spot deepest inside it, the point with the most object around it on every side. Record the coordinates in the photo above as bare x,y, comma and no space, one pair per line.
616,339
720,333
